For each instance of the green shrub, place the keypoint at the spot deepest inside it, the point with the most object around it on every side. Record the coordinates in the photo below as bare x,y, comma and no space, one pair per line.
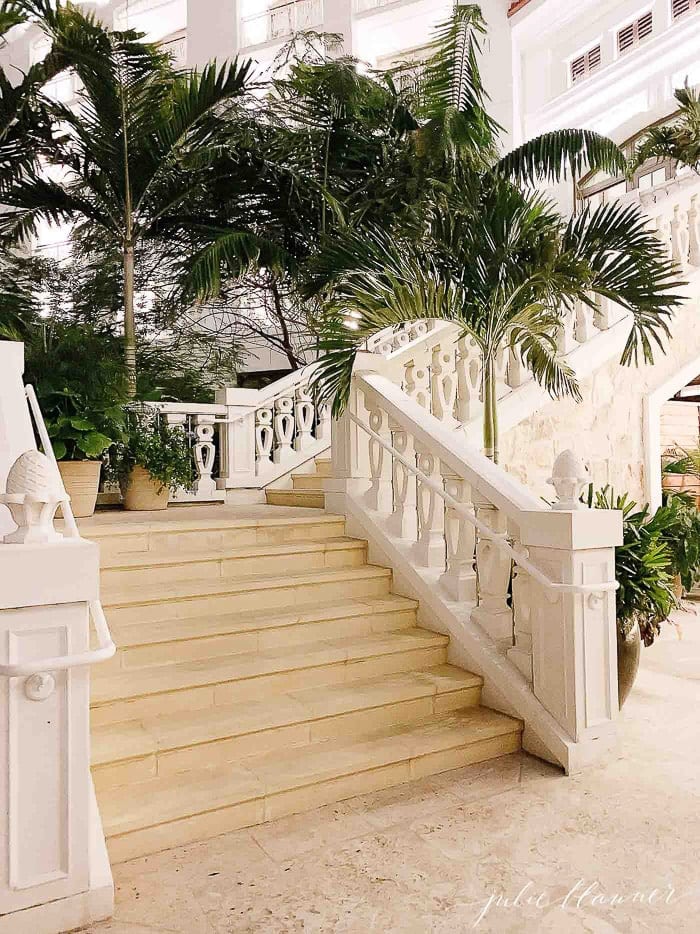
151,443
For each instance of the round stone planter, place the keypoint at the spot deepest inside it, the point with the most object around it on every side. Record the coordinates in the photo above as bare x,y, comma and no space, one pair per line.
629,647
81,480
143,493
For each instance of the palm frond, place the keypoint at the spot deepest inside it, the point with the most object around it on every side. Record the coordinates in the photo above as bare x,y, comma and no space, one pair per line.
551,156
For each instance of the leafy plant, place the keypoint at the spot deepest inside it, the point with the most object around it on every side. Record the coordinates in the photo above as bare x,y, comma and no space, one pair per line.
151,443
680,517
679,140
644,564
81,383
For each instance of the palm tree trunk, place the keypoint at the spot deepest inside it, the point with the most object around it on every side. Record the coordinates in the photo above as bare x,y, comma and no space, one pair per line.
129,320
488,393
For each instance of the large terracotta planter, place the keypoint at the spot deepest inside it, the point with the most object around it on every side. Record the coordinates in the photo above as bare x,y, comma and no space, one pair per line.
144,494
81,480
629,648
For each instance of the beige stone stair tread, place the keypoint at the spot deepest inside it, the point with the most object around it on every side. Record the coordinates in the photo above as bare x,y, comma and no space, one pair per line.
125,561
129,635
140,682
132,739
308,498
146,804
119,595
168,524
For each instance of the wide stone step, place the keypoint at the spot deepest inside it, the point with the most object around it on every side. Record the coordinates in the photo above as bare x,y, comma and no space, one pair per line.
173,640
311,499
173,534
307,481
193,597
174,810
210,682
160,746
252,560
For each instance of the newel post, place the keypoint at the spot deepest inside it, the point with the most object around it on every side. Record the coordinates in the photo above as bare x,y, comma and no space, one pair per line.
574,647
237,468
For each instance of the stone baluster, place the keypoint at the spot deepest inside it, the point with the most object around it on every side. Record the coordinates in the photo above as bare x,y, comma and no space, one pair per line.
323,422
403,521
518,373
429,550
662,227
204,453
694,232
304,415
417,383
679,236
521,594
493,567
566,336
264,439
443,380
283,424
469,367
584,326
459,578
379,495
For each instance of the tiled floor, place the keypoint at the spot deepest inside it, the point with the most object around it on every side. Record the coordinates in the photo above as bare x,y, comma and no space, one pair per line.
427,858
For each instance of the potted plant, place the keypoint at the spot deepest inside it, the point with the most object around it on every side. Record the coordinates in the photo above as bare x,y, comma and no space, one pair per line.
682,474
79,444
644,569
152,460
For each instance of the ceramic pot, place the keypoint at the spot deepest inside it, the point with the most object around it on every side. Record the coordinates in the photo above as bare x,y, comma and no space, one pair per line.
144,494
81,480
629,647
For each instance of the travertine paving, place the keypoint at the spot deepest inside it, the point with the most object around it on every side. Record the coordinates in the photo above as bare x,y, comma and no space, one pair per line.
434,856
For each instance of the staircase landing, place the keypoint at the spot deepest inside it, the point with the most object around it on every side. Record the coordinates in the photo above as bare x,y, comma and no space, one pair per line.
264,668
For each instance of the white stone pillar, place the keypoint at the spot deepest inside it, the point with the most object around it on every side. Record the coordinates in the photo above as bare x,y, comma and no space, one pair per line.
574,649
54,872
237,439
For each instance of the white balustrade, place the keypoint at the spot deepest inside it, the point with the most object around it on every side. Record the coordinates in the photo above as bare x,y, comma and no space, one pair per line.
201,424
474,545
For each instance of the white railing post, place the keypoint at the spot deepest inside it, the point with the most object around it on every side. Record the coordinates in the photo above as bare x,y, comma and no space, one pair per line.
54,871
429,550
237,439
459,578
402,523
493,568
574,649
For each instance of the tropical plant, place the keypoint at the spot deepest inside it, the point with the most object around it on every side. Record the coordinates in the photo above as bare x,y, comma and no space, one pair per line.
644,563
488,254
134,158
151,443
81,383
681,521
678,140
505,267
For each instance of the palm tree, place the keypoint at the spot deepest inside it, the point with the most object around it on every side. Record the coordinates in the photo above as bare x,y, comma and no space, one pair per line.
505,267
135,157
678,140
490,254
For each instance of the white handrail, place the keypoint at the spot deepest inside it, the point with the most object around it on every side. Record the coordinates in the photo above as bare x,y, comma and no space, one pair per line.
35,408
106,649
500,540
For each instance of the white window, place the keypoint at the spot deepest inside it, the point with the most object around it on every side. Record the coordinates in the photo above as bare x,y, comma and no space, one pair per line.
583,65
651,179
630,36
681,7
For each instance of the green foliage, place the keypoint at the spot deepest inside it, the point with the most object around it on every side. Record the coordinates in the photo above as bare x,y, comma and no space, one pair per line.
645,562
80,381
679,140
681,522
151,443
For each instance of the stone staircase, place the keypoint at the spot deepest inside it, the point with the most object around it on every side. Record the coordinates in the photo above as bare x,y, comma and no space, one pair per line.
264,668
306,489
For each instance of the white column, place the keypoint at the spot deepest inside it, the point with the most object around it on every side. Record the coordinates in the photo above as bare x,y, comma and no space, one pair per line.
237,439
54,873
574,649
